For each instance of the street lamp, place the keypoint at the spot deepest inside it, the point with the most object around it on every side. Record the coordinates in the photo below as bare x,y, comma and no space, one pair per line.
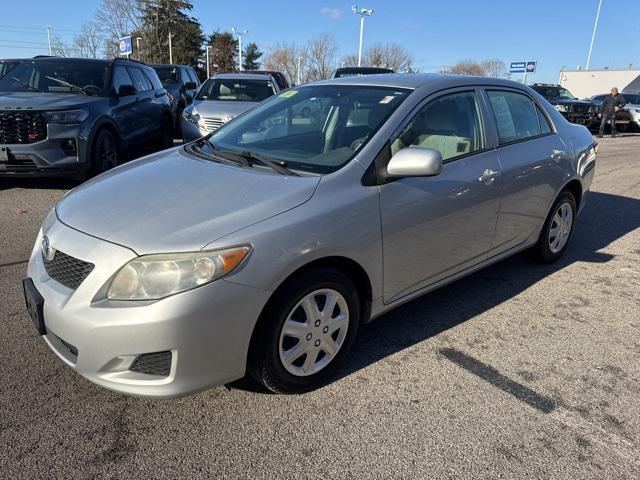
239,34
299,66
49,37
208,47
363,12
138,46
593,35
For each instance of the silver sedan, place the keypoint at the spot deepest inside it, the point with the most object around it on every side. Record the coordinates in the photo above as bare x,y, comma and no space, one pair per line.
262,247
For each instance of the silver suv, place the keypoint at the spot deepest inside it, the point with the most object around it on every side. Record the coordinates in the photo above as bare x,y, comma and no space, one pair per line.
264,246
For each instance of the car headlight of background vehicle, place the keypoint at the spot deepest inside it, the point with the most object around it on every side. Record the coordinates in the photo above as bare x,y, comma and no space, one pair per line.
67,116
562,108
190,116
152,277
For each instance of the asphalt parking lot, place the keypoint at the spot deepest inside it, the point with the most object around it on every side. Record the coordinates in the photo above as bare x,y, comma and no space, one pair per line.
519,371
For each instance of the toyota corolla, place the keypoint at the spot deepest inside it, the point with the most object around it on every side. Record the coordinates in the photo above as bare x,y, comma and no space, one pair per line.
262,247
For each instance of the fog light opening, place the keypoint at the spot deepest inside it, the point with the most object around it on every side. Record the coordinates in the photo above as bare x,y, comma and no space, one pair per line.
70,147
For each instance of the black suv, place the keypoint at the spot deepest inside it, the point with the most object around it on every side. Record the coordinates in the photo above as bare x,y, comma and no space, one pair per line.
77,116
574,110
182,83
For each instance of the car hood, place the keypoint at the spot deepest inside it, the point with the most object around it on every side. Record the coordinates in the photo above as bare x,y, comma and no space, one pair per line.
172,202
572,102
44,101
214,108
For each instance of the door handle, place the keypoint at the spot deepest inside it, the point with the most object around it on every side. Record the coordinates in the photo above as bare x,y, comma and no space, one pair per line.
488,176
556,154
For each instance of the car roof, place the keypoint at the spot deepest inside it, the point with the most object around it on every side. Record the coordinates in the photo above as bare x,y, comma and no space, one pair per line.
417,80
239,76
153,65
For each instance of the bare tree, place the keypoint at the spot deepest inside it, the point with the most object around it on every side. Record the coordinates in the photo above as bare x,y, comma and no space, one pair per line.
283,57
389,55
60,49
321,52
118,18
495,68
89,41
466,67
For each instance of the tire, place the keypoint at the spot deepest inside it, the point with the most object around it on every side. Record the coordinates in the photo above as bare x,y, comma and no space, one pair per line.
562,216
105,152
166,133
272,343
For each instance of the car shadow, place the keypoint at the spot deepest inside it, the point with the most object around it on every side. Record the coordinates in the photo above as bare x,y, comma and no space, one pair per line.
605,218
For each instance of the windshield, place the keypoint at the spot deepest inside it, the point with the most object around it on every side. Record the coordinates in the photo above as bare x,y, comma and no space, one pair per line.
316,129
6,66
236,90
555,93
360,72
84,78
632,98
168,74
565,94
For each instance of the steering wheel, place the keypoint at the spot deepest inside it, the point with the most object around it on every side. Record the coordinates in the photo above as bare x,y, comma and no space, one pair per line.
95,88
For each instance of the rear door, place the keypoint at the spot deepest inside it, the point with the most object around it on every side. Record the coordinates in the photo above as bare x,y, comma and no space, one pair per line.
434,227
189,76
531,155
149,113
125,109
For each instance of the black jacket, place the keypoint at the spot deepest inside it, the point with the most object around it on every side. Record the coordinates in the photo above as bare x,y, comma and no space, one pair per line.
609,104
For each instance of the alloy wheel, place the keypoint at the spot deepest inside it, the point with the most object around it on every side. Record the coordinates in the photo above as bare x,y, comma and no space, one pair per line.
560,228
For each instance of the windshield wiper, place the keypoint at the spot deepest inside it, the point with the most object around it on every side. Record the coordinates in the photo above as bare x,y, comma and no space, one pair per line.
27,85
277,166
196,150
67,84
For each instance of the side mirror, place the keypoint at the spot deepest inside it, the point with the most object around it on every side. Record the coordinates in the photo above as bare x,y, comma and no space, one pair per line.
190,86
415,162
126,90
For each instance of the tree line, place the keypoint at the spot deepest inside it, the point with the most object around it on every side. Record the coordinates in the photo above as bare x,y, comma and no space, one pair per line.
151,23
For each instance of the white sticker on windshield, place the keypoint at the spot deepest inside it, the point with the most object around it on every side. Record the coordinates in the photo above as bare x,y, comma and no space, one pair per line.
387,99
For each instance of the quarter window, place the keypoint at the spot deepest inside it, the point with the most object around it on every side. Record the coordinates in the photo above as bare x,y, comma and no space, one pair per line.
515,116
544,123
140,81
450,124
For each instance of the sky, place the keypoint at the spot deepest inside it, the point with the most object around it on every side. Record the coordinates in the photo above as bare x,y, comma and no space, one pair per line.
555,33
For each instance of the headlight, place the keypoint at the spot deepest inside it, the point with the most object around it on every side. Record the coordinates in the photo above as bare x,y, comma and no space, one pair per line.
152,277
67,116
226,118
190,116
562,108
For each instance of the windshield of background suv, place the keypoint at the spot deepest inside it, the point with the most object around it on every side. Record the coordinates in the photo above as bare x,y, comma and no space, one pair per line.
168,74
6,66
316,129
632,98
84,78
555,93
236,90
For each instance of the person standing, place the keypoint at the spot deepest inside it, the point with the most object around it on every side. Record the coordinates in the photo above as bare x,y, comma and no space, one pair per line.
610,106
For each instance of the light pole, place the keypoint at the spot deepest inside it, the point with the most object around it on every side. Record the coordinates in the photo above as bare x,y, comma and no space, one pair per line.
299,67
593,35
239,34
363,12
170,50
138,46
208,47
49,37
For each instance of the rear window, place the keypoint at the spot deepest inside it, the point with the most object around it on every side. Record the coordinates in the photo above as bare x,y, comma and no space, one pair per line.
168,75
236,90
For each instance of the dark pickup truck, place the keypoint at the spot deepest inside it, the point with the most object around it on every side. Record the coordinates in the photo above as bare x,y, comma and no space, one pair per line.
574,110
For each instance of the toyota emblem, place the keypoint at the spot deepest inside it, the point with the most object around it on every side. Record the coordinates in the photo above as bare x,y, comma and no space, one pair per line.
48,252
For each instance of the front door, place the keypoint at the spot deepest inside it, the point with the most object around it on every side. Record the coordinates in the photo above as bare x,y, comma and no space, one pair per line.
433,227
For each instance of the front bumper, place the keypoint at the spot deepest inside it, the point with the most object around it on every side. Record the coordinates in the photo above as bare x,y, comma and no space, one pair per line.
207,330
578,118
48,157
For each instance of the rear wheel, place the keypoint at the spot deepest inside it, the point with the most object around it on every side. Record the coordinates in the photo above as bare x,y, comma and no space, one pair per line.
305,332
557,229
105,152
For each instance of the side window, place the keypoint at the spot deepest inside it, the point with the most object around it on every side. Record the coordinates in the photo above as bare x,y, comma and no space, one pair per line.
120,77
450,124
193,77
515,116
544,123
152,77
140,81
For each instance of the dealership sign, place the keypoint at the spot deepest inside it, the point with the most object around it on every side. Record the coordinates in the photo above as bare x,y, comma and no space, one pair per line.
125,46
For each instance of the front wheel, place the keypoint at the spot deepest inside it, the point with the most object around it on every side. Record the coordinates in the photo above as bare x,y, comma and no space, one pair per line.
557,229
305,332
105,152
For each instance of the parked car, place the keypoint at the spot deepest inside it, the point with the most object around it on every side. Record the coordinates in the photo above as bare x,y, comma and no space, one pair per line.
279,77
576,111
358,71
76,116
182,83
264,246
629,115
223,97
7,64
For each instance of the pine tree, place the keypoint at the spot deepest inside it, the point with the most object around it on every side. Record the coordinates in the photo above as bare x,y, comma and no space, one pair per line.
251,56
223,55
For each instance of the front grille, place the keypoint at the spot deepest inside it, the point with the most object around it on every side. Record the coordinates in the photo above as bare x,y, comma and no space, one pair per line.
22,127
24,164
213,123
158,363
581,109
67,270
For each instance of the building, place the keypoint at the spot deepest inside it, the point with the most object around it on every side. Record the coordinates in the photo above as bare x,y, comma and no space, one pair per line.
586,83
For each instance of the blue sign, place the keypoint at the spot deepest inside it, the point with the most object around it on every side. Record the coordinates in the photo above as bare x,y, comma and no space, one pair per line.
125,46
531,67
518,67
